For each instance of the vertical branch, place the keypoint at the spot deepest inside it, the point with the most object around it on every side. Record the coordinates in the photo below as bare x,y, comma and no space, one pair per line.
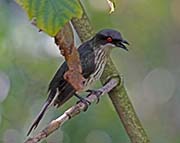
118,96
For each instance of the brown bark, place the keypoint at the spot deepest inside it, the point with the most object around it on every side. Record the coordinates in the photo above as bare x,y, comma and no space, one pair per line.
65,40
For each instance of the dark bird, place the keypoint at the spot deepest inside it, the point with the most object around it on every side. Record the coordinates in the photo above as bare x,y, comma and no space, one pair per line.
93,56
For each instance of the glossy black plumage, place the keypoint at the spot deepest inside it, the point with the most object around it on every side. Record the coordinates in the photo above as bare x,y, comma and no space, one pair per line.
93,57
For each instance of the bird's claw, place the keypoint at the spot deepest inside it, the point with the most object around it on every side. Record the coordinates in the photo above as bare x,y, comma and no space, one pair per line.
97,93
86,102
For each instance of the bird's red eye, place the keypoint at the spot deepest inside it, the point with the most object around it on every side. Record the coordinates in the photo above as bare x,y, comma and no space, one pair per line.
109,39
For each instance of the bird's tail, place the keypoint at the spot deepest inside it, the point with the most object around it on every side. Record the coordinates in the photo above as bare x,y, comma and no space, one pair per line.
38,118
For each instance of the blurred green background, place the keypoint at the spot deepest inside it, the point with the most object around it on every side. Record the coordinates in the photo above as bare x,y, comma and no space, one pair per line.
151,69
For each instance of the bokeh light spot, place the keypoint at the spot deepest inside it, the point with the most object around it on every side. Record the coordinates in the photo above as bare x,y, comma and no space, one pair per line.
100,5
4,86
50,47
175,10
0,118
11,136
98,136
158,86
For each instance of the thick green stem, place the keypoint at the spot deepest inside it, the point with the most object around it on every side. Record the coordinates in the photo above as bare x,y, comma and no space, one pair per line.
118,95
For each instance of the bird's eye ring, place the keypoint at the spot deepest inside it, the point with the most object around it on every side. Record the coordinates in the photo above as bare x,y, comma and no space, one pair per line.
109,39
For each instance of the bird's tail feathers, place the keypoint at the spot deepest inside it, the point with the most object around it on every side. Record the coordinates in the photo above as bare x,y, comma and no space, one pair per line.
47,104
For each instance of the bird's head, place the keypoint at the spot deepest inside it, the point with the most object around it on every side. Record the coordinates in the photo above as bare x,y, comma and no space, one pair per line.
110,38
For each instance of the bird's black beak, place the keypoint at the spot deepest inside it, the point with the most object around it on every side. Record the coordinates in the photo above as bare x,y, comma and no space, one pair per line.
122,43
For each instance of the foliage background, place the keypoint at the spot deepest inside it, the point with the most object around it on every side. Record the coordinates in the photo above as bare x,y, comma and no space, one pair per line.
28,60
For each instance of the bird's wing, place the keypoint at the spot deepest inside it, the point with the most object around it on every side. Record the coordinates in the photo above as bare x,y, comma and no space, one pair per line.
58,79
66,91
87,58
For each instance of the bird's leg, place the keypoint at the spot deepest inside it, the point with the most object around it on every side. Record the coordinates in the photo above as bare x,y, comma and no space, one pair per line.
97,93
86,102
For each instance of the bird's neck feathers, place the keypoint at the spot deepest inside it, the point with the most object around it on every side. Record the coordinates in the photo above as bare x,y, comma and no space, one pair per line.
99,45
106,49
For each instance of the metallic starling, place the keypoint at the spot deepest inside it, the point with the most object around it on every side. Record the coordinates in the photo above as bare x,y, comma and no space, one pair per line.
93,56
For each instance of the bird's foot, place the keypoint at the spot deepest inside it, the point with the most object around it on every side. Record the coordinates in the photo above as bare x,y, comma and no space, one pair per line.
97,93
86,102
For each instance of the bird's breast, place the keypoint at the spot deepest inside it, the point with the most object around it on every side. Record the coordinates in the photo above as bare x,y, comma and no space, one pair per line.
100,62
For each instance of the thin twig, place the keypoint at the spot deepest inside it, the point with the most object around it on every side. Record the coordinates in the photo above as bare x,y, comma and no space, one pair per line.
73,111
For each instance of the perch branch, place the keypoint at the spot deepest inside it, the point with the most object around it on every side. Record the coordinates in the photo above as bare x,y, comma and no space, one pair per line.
73,111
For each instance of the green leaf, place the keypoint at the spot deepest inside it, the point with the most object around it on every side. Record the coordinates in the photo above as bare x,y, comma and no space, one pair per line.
51,15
